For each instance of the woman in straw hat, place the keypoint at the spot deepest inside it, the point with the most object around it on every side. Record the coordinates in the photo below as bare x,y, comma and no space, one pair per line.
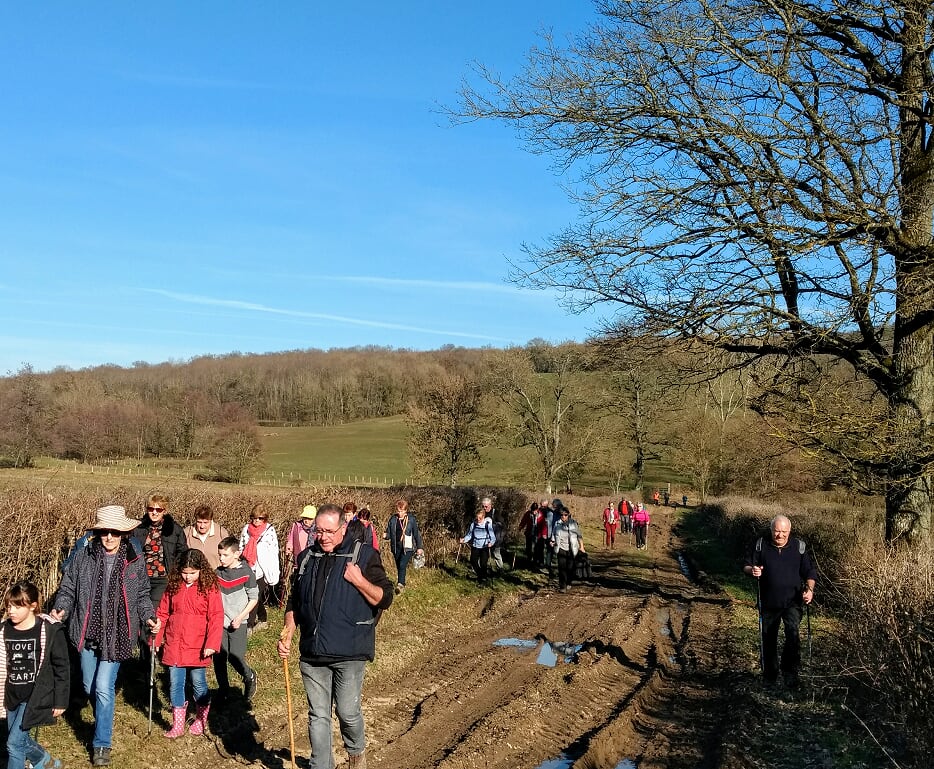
104,599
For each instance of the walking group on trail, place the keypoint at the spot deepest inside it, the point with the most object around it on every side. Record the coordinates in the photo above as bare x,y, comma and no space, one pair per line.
190,596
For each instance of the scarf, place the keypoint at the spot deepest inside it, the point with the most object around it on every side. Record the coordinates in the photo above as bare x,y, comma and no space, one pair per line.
108,627
155,556
254,532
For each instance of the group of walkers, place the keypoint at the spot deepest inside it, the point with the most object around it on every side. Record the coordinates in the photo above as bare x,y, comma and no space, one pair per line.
630,518
553,540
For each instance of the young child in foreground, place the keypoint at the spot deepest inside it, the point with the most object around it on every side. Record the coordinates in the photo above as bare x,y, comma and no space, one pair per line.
239,593
34,673
192,617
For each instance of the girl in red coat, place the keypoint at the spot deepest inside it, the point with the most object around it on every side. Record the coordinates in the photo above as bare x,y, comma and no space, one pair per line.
192,616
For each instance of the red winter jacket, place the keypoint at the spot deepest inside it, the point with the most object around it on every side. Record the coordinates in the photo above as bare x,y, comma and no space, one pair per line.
191,622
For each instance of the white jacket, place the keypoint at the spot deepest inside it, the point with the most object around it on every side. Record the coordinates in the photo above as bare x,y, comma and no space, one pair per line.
267,554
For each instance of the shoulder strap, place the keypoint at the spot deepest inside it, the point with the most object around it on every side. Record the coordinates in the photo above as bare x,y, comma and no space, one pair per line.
759,545
801,547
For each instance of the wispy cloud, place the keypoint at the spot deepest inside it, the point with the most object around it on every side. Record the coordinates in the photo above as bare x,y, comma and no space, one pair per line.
237,304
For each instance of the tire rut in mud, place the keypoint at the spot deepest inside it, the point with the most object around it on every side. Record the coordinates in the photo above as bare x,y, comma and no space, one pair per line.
647,684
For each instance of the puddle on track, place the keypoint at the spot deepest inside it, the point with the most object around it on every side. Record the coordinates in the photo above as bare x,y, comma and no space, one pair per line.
550,653
566,761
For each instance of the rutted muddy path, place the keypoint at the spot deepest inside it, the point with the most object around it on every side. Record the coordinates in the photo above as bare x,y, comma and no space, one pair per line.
644,686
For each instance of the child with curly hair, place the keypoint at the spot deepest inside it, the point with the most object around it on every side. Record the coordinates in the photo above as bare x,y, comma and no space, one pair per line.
192,616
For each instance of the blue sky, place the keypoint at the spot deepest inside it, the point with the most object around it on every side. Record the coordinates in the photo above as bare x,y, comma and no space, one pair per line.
180,179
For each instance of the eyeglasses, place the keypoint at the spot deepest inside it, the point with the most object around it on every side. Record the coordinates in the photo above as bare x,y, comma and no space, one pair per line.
329,532
155,509
257,518
110,533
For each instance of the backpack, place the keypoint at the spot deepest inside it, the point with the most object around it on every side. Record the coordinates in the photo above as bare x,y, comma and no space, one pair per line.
801,546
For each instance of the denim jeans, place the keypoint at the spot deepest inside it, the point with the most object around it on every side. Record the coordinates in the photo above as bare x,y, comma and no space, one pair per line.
402,563
20,746
99,678
199,684
342,684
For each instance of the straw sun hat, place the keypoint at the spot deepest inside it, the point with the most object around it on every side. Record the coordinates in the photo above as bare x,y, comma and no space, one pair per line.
113,517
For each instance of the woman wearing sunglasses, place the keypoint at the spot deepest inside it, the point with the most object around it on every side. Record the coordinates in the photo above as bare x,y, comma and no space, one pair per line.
163,541
104,600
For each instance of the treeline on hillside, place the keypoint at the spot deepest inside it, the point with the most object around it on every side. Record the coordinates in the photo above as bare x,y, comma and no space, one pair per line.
598,410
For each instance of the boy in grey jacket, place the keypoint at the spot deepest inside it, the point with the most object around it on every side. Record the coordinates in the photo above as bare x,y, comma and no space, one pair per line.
239,593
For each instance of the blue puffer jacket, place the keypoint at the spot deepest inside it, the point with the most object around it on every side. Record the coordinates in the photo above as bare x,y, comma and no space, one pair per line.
336,621
77,590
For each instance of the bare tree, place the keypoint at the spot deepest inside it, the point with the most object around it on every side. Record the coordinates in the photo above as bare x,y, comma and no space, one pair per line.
548,412
444,423
757,176
24,415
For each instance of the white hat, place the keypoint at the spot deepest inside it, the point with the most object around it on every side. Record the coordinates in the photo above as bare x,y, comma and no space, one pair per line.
113,517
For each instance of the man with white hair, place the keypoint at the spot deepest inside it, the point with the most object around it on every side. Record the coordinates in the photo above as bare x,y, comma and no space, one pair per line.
786,577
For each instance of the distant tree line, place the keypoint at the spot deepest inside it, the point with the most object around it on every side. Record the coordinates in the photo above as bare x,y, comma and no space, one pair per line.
598,410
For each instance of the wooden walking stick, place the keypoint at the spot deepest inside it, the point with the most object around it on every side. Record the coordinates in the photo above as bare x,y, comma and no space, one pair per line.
288,700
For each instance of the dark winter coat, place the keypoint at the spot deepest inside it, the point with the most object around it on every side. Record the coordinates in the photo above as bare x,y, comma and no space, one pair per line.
76,592
51,688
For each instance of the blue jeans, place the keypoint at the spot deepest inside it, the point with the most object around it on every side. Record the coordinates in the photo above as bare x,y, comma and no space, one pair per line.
342,684
99,678
199,684
20,746
402,563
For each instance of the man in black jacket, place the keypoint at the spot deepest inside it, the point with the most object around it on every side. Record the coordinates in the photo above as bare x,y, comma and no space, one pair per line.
786,577
338,590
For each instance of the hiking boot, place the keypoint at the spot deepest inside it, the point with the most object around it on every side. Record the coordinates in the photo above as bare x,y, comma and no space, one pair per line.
249,686
792,681
357,762
100,757
399,588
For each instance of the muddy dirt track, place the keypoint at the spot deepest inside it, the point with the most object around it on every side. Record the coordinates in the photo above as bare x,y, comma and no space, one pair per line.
647,683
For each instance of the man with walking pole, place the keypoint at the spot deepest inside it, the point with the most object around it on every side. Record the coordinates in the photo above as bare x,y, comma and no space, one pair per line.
781,564
339,589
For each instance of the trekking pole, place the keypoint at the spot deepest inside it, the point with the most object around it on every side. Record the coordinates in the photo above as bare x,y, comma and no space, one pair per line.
458,556
761,637
288,700
807,613
152,679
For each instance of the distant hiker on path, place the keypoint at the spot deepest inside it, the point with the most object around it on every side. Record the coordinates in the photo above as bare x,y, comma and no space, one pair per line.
481,539
527,527
338,591
567,542
405,540
640,525
782,565
610,522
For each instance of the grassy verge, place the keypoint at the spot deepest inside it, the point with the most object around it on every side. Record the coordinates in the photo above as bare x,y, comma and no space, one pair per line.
777,728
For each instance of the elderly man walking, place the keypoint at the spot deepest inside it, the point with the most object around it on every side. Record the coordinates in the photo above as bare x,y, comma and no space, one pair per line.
786,577
338,590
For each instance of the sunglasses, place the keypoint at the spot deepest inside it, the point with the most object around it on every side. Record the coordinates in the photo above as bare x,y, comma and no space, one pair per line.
257,518
155,509
110,533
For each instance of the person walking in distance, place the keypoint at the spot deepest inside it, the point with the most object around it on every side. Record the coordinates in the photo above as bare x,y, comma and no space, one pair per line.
567,542
610,522
527,527
405,540
640,525
481,539
338,592
787,577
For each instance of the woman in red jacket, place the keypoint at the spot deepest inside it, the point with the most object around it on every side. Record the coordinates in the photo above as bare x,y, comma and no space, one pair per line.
192,616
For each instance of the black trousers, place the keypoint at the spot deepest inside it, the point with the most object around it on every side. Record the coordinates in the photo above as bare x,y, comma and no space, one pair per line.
565,568
791,652
480,559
